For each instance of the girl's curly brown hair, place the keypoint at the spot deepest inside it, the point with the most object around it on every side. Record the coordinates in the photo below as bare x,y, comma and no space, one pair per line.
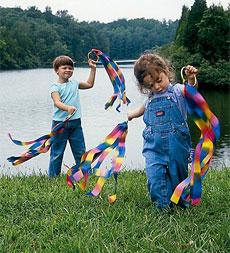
151,64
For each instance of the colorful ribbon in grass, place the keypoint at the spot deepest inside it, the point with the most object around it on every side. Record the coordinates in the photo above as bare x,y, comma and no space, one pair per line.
114,143
38,146
116,78
189,191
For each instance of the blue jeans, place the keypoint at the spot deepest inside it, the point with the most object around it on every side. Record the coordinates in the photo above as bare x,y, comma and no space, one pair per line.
72,132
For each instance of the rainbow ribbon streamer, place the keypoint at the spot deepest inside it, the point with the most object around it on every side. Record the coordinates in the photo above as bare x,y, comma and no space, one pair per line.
38,146
189,191
116,78
114,142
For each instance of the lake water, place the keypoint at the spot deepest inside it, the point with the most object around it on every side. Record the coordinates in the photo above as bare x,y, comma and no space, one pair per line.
26,111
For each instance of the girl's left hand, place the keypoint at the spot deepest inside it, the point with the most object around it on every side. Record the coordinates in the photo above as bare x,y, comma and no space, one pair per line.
92,63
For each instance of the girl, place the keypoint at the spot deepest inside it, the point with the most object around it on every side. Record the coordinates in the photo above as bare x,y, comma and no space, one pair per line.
166,135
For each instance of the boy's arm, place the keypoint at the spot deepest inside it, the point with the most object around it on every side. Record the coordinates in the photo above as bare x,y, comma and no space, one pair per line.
57,102
136,113
90,82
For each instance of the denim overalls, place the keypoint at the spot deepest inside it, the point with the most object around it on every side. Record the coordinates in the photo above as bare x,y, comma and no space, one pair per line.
166,144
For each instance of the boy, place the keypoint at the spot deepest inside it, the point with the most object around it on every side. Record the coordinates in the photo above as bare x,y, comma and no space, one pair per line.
65,95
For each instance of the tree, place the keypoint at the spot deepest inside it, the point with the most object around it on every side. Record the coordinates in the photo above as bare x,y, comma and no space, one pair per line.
213,34
49,17
191,29
180,32
31,38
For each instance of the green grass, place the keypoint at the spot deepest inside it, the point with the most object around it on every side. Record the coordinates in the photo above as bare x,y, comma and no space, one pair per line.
38,214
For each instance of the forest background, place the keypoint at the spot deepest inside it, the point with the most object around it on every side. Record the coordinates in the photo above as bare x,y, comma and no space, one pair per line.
32,39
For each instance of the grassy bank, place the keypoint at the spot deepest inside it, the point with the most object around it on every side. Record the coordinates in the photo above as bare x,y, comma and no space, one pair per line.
41,215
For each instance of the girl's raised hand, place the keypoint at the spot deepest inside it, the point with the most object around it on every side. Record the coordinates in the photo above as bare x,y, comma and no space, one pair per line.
190,71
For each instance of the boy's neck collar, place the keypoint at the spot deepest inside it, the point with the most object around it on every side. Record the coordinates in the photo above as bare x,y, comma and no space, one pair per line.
62,81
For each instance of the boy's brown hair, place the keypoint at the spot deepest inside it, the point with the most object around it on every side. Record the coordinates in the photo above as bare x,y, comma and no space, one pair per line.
62,60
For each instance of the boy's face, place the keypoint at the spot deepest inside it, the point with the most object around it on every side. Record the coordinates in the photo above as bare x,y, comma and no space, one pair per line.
65,72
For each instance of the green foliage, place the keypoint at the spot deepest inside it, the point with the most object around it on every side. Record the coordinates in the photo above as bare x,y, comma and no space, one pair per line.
216,75
191,29
41,215
213,34
211,76
202,39
31,38
180,33
179,57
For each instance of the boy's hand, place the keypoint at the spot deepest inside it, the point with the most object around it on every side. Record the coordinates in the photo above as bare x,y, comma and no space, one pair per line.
71,109
92,63
129,116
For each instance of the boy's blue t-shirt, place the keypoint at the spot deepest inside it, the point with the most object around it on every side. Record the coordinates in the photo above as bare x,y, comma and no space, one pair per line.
69,95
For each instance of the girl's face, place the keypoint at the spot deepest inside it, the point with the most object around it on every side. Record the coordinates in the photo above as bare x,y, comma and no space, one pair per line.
158,85
65,72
